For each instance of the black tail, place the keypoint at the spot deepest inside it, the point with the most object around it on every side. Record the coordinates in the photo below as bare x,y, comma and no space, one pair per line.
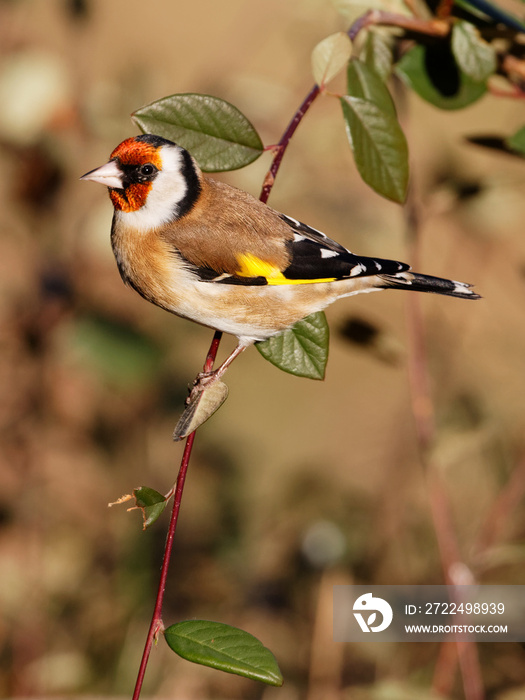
427,283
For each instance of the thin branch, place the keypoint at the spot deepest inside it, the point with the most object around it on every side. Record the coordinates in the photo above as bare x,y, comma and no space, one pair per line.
470,668
511,65
515,93
212,352
156,625
281,147
423,412
438,28
432,27
445,8
503,507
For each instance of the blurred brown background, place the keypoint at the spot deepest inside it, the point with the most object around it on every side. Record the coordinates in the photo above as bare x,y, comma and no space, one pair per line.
294,485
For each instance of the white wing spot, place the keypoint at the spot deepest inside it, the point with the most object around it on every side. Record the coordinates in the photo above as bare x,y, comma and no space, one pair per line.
462,288
326,253
224,276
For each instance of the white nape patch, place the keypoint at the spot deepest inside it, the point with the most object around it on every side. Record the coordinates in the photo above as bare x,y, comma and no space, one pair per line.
325,253
168,189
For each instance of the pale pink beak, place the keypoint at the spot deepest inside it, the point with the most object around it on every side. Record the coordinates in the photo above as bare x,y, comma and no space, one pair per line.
109,175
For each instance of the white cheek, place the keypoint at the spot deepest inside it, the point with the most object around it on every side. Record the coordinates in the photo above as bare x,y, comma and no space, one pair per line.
168,189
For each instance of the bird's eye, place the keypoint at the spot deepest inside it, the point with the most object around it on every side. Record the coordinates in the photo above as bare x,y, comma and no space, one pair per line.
147,170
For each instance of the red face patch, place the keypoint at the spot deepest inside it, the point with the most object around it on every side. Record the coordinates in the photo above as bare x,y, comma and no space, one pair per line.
133,152
132,198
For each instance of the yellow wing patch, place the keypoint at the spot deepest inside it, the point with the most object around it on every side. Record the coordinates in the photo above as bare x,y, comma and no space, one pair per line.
252,266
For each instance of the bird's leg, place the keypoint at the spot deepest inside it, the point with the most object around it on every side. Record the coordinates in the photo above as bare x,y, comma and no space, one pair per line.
205,379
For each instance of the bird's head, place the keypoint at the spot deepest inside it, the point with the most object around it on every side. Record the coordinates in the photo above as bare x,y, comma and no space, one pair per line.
151,180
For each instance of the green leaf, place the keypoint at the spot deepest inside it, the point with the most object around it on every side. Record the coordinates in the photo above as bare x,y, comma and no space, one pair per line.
364,82
215,132
516,142
225,648
301,350
434,76
330,56
151,502
379,145
377,53
474,56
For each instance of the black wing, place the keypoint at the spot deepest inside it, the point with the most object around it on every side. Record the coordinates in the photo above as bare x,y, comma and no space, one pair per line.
315,256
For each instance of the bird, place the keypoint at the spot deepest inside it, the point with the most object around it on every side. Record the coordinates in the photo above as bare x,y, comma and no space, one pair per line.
214,254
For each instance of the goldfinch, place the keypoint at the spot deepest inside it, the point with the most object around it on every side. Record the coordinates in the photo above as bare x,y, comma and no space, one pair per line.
214,254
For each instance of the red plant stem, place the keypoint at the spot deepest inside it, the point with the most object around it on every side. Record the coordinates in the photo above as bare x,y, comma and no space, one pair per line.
505,504
432,27
212,352
156,621
424,420
281,147
373,17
